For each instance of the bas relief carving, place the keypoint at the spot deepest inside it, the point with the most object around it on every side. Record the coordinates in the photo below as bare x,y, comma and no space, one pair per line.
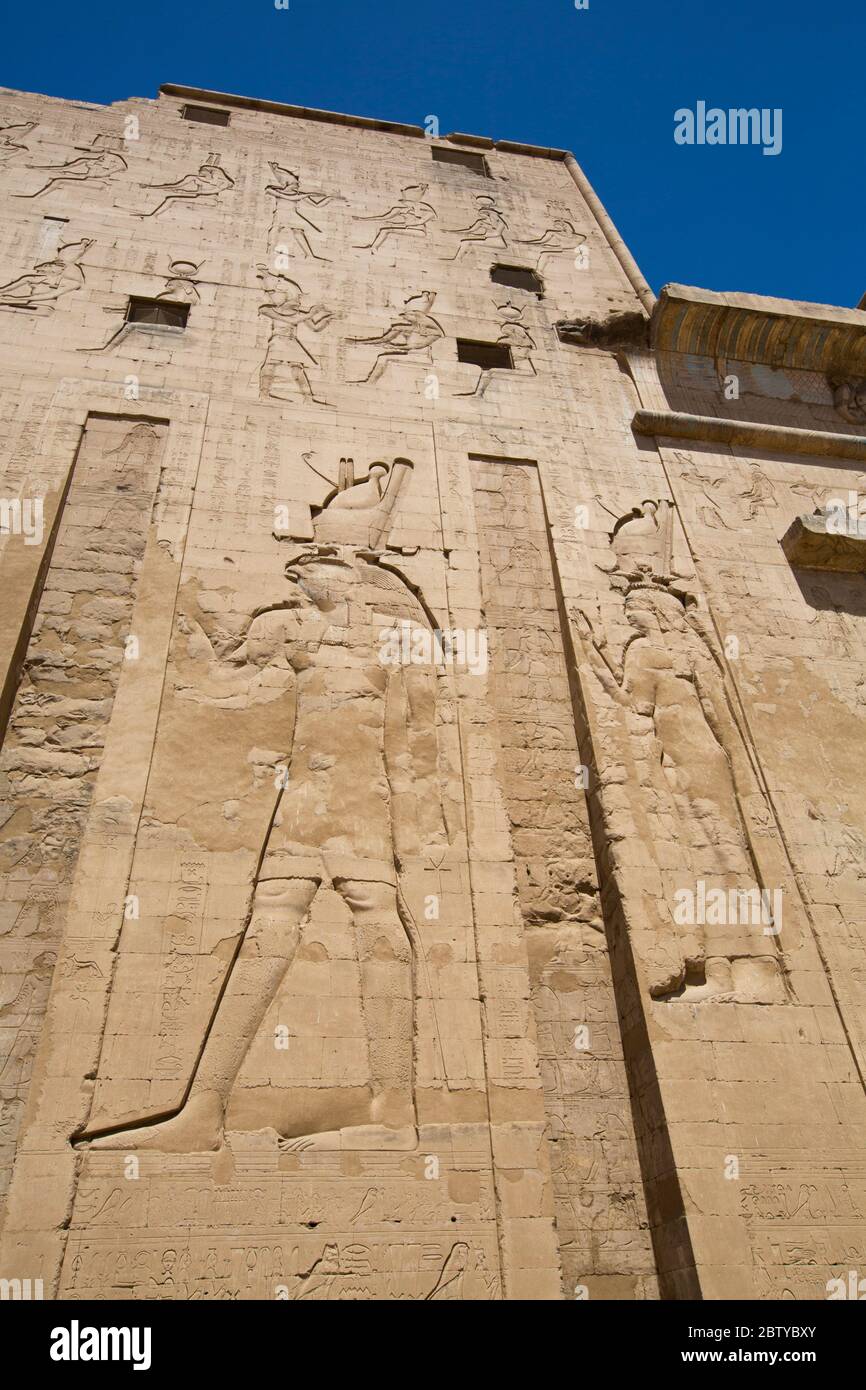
561,238
12,138
40,288
289,360
411,336
283,1032
722,505
295,211
409,216
100,160
489,228
670,680
514,335
181,287
355,731
209,182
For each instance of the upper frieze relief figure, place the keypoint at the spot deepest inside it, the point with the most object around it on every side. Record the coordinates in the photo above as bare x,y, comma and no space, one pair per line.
210,180
101,159
41,287
12,138
488,227
409,215
298,211
559,238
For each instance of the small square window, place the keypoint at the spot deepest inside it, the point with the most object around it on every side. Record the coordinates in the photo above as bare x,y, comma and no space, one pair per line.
157,311
484,355
517,277
208,115
467,159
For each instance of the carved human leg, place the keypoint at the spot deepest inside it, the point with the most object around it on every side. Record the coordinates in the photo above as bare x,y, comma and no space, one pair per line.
279,908
386,962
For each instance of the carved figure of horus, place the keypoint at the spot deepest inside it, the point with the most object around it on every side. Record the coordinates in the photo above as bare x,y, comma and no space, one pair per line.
671,679
11,137
360,746
99,160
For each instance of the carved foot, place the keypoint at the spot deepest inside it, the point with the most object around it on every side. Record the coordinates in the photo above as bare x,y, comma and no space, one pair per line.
196,1129
714,982
373,1137
759,980
744,980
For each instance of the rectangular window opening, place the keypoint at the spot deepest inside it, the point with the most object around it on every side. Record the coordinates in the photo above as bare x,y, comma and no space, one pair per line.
157,311
518,277
484,355
208,115
468,159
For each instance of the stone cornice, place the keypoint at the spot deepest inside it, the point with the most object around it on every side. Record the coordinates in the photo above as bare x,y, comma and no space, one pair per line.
311,113
676,424
754,328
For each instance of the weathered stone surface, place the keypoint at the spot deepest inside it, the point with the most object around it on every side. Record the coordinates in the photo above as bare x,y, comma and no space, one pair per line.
815,543
431,786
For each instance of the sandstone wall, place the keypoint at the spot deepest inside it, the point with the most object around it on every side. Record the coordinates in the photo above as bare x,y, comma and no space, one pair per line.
327,974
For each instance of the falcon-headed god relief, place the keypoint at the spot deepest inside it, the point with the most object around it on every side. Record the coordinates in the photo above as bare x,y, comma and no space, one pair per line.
11,138
359,749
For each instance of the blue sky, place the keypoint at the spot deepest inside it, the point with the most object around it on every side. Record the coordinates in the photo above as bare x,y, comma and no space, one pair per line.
604,82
